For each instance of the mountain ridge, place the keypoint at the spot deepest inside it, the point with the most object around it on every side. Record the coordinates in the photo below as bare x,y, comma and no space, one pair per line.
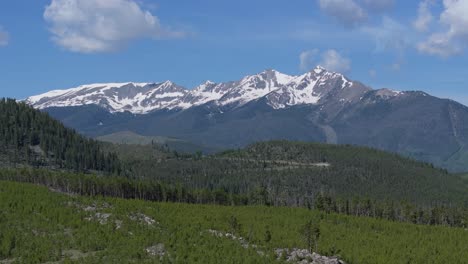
281,91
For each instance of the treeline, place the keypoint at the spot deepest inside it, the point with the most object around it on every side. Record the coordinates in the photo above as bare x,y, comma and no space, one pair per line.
121,187
28,136
401,211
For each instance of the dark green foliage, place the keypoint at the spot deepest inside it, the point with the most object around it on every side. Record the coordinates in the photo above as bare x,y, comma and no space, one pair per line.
28,136
267,238
310,232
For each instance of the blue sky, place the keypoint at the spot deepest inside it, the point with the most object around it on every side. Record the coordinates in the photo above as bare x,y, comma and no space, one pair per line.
403,45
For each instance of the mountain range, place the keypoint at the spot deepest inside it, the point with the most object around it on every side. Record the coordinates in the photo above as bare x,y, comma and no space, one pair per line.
320,105
279,89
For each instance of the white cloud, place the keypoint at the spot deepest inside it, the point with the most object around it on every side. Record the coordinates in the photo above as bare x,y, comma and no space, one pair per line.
90,26
4,37
378,5
389,36
454,38
439,44
425,16
330,59
346,12
334,61
307,59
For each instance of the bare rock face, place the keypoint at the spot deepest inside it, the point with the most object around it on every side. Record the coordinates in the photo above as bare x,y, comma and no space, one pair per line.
157,250
303,256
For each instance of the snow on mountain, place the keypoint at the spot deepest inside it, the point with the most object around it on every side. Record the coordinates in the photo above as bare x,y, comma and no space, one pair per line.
138,98
310,88
280,90
254,86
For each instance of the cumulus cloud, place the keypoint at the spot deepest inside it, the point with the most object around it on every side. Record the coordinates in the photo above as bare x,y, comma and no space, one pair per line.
334,61
352,13
4,37
307,59
440,44
389,36
346,12
90,26
425,16
378,5
454,38
330,59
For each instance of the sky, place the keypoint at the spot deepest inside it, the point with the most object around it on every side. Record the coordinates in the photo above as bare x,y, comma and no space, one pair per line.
402,45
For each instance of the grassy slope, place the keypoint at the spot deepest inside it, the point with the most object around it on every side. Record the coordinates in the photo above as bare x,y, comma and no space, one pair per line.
37,225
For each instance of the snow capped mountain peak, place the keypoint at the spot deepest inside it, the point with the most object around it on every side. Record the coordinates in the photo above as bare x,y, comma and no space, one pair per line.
206,85
279,89
319,69
388,93
167,83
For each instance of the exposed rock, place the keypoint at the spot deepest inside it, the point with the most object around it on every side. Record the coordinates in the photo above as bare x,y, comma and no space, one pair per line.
156,250
7,261
244,243
100,217
90,208
143,219
118,224
304,256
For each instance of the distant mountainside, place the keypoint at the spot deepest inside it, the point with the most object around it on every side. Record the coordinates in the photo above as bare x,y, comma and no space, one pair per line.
131,138
319,106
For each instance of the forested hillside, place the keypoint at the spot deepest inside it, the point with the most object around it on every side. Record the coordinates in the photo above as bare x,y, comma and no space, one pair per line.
28,136
40,226
294,173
